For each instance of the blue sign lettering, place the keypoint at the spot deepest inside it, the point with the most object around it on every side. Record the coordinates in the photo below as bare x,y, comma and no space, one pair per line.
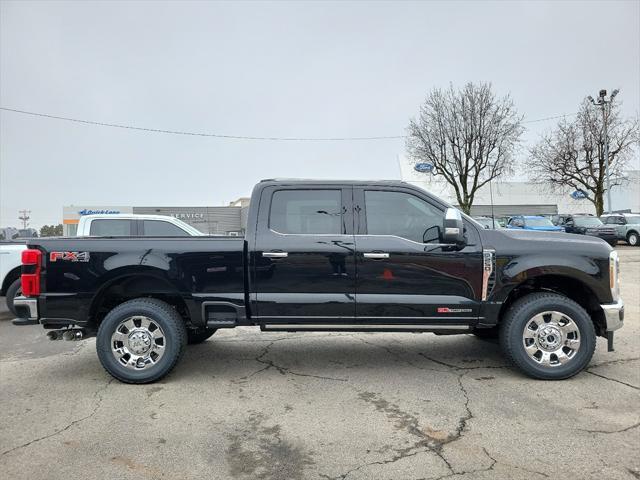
578,195
87,211
423,167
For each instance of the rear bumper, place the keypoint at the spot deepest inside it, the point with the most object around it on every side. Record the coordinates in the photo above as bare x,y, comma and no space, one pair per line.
613,315
27,309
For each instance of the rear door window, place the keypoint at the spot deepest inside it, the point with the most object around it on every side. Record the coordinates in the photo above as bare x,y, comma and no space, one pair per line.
111,228
306,212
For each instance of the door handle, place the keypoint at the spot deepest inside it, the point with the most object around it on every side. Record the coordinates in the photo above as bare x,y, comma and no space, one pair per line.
275,254
376,255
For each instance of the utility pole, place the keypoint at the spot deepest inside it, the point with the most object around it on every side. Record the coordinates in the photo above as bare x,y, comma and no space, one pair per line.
602,103
24,217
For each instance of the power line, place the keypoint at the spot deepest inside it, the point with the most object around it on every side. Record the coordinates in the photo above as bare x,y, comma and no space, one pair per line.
200,134
231,137
550,118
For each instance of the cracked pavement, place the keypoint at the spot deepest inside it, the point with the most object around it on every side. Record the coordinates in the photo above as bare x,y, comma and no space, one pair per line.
334,406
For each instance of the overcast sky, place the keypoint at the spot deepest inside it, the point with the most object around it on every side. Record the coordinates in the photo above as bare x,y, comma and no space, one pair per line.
270,69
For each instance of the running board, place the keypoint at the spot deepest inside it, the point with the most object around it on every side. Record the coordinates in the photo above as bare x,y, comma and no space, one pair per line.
284,327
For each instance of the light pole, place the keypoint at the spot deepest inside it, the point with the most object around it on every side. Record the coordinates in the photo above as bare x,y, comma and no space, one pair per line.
602,103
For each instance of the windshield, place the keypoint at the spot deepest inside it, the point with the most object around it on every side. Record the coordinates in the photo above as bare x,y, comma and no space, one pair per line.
538,222
587,221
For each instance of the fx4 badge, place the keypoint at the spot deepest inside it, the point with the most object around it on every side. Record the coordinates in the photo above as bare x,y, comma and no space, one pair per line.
454,310
69,256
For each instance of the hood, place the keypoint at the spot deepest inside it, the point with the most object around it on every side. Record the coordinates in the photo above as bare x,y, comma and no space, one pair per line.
523,242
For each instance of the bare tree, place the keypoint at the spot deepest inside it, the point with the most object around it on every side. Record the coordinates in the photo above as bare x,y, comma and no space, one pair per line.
572,156
469,136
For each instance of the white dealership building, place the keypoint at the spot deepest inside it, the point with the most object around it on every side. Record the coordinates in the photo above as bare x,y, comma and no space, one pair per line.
522,197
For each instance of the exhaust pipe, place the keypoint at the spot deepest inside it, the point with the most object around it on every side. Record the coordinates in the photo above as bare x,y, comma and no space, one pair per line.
71,334
53,335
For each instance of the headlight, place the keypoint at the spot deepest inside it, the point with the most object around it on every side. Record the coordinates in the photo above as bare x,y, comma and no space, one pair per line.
614,270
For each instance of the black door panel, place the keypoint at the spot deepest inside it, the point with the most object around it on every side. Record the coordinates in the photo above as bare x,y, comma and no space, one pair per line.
309,274
402,280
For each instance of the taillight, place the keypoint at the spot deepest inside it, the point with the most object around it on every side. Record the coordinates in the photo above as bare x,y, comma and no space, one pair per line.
31,266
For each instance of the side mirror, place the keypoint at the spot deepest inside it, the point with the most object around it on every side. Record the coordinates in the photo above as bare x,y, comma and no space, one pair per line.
453,228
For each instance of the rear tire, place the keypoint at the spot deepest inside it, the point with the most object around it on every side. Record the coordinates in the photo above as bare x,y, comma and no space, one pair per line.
633,239
140,341
548,336
14,290
195,336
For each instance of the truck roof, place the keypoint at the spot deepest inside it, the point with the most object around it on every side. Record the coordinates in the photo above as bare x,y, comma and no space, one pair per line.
315,181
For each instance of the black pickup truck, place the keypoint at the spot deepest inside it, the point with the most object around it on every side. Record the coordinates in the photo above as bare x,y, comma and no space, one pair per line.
329,256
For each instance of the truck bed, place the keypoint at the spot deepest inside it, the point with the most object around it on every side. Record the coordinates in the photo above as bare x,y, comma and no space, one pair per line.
202,270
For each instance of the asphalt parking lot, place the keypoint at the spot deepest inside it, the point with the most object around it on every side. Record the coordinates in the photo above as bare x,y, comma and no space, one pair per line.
251,405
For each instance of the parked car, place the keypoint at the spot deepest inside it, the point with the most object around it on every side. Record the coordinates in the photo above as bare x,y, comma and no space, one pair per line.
488,222
627,226
90,225
533,222
561,218
589,225
328,256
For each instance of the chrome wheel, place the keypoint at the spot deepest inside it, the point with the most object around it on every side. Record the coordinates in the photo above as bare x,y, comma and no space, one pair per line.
138,342
551,339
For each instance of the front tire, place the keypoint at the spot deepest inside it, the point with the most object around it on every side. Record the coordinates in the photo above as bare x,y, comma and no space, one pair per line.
14,290
548,336
633,239
140,341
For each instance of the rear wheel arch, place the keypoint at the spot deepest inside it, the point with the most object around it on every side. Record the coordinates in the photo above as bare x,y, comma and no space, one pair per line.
130,286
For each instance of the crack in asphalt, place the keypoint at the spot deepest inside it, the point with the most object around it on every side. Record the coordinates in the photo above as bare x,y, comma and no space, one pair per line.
96,407
431,441
607,432
457,367
284,370
397,356
612,362
588,370
494,462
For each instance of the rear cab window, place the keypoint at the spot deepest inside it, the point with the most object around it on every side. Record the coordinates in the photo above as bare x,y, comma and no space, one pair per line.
111,228
159,228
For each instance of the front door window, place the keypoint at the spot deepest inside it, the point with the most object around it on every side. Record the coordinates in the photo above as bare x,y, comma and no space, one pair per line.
402,215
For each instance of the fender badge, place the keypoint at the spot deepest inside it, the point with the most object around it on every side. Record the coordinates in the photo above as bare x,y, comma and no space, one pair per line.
69,256
453,310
